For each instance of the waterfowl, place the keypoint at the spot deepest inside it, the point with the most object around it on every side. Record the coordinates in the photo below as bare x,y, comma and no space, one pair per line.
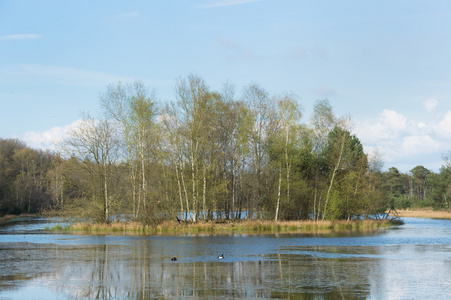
221,256
174,258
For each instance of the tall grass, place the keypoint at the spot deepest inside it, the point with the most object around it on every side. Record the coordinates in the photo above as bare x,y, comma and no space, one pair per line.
425,213
252,226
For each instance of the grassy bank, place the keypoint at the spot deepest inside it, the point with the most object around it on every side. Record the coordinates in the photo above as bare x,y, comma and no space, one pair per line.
170,227
425,213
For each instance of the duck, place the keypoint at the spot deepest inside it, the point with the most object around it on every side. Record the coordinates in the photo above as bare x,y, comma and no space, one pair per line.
221,256
174,258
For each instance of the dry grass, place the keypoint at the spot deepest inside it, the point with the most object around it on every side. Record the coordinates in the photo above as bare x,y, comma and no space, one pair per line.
112,227
426,213
255,226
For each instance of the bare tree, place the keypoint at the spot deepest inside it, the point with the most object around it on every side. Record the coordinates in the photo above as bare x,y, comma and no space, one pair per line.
263,112
94,143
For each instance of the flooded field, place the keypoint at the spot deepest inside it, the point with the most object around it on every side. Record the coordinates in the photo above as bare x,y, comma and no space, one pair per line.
412,261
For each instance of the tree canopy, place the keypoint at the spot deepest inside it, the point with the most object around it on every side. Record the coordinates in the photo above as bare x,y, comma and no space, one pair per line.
210,155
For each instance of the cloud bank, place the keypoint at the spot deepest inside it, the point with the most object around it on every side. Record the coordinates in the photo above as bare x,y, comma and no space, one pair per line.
48,139
416,142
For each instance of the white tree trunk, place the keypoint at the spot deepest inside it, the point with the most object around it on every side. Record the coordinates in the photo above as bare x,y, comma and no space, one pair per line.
278,192
333,176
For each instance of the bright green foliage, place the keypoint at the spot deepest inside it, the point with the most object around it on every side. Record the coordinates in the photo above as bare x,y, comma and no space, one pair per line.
345,166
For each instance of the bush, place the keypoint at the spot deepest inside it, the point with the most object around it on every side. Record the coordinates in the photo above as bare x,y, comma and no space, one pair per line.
402,202
425,203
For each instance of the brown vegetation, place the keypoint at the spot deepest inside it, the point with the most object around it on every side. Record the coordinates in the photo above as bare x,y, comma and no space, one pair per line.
425,213
172,227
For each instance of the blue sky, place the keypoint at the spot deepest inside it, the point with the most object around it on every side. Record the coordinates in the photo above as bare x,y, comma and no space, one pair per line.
387,64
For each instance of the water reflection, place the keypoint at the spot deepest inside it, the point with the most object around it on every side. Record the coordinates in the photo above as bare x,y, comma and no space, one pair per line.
267,266
107,272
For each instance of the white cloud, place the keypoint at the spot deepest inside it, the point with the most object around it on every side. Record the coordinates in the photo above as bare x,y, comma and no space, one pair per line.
421,125
443,128
227,3
393,120
48,139
389,126
417,145
431,105
405,140
28,36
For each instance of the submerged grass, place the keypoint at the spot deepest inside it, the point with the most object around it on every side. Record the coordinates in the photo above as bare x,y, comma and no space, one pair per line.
251,226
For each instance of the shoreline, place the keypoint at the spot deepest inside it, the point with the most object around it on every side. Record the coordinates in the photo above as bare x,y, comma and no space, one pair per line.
424,213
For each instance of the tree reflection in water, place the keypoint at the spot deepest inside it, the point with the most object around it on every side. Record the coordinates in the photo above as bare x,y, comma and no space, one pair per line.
135,272
415,264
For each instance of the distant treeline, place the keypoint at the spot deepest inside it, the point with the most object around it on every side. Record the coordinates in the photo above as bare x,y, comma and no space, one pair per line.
26,183
210,154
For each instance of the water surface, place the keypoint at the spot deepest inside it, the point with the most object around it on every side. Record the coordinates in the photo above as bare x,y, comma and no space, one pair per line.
412,261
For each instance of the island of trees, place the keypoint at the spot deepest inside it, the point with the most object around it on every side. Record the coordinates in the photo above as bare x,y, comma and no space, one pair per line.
210,155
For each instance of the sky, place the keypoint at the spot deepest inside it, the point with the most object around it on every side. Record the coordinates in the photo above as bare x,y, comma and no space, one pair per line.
385,63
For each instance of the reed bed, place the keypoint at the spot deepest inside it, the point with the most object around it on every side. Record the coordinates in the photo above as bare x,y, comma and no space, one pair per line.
103,227
252,226
426,213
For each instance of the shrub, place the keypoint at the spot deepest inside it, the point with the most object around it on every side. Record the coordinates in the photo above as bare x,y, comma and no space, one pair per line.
402,202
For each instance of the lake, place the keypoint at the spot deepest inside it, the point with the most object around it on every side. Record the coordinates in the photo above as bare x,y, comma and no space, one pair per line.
412,261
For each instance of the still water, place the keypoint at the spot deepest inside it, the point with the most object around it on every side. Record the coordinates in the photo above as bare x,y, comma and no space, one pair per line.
412,261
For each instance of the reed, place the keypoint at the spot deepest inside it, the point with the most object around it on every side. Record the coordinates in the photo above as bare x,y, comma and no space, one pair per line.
99,227
247,226
425,213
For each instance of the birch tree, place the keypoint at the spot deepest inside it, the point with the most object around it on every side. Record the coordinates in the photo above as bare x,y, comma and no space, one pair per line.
344,154
194,102
289,114
134,108
263,112
175,146
94,144
322,122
